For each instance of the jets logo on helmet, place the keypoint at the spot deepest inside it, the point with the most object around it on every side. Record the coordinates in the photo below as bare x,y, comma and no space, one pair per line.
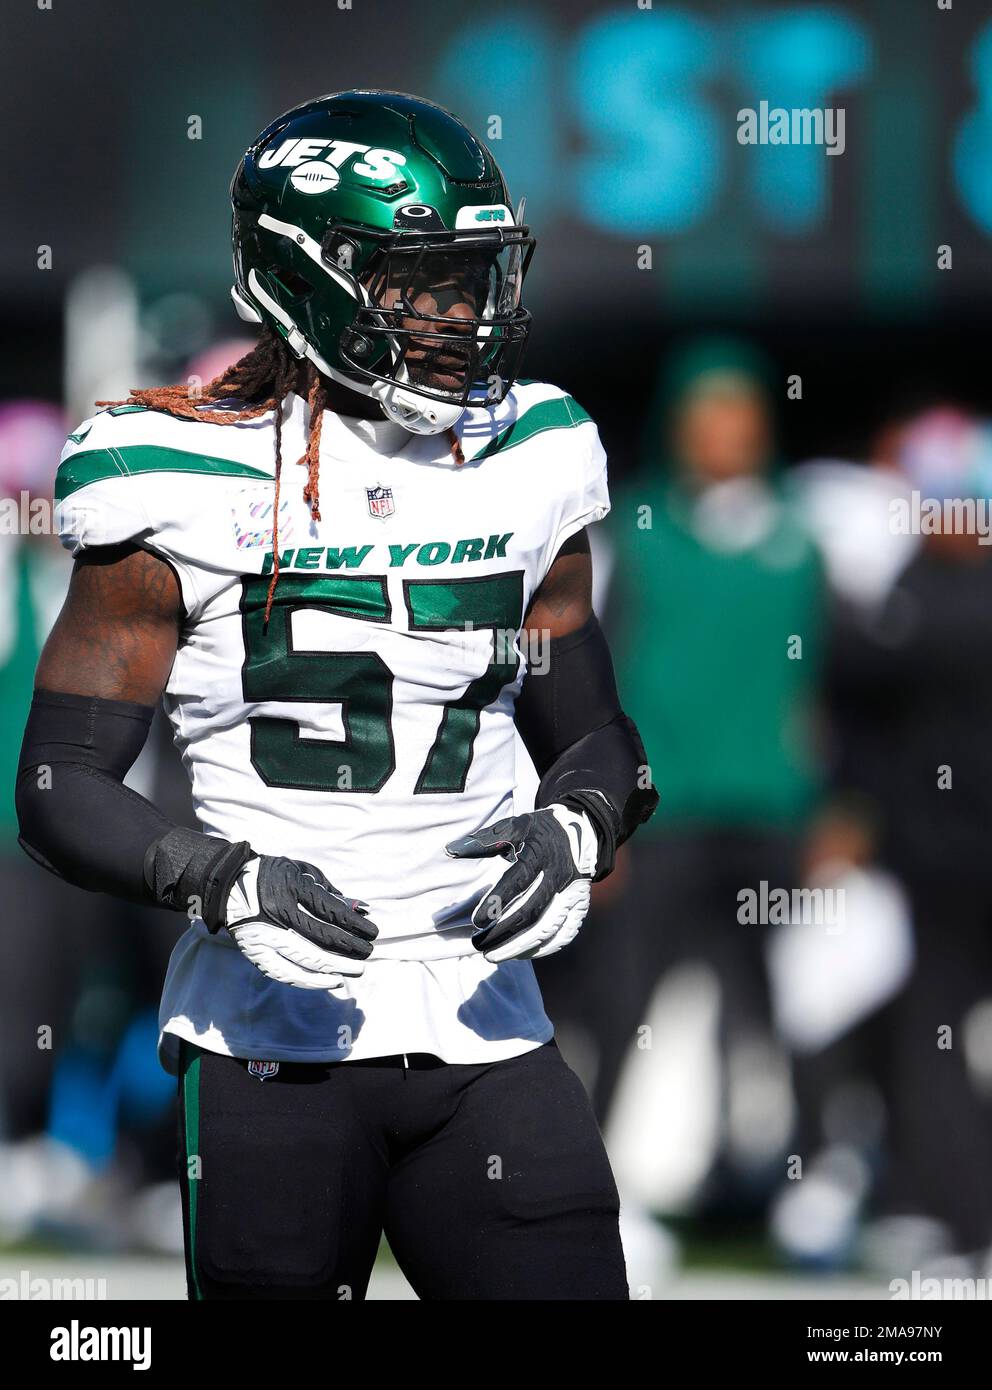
375,233
377,164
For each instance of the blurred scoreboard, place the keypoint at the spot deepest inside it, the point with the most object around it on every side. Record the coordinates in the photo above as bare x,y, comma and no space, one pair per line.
618,119
622,124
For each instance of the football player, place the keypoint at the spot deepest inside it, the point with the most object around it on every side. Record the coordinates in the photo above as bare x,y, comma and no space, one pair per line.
336,564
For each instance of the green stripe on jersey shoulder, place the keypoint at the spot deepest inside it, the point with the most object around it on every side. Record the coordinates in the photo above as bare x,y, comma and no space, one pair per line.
562,413
94,465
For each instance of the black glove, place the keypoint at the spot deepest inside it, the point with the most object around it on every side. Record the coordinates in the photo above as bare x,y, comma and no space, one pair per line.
539,904
296,927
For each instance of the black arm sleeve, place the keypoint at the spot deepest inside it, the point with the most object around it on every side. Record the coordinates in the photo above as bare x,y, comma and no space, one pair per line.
78,820
588,754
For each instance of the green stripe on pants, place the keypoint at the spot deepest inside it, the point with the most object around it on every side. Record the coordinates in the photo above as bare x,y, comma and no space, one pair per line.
190,1064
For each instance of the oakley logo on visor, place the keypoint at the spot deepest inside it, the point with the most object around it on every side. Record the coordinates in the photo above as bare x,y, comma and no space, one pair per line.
420,217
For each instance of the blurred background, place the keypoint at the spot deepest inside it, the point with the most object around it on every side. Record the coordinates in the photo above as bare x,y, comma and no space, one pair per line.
782,1006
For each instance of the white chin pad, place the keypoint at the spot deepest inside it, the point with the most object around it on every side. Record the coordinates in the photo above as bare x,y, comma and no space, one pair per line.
416,413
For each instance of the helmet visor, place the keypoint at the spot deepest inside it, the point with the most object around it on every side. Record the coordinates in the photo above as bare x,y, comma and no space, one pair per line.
456,281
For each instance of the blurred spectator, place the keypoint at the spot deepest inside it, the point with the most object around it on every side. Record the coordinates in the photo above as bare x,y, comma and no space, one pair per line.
911,686
716,609
830,988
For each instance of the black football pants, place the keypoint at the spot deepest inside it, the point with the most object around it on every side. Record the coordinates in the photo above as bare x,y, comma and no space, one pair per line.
490,1181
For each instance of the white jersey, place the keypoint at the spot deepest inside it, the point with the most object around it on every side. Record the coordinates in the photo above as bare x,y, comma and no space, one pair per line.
371,721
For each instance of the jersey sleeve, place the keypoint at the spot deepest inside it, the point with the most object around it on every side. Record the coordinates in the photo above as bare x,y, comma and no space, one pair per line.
94,503
582,493
117,482
587,499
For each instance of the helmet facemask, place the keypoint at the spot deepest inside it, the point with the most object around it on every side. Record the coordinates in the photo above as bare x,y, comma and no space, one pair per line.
437,313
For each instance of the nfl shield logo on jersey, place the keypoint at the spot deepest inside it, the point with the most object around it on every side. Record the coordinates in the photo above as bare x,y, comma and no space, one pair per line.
262,1069
380,501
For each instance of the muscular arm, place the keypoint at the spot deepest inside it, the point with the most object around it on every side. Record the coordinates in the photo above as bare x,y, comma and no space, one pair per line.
103,669
553,712
587,753
564,600
118,631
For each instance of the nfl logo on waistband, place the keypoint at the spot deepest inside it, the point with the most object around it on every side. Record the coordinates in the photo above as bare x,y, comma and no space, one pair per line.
380,500
262,1069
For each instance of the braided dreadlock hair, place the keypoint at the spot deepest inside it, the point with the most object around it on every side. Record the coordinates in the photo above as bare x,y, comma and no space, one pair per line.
260,381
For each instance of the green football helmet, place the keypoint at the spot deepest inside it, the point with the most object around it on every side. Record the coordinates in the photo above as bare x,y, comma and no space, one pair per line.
374,232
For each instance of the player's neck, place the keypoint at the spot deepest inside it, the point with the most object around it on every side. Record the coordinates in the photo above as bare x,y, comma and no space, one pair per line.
339,398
